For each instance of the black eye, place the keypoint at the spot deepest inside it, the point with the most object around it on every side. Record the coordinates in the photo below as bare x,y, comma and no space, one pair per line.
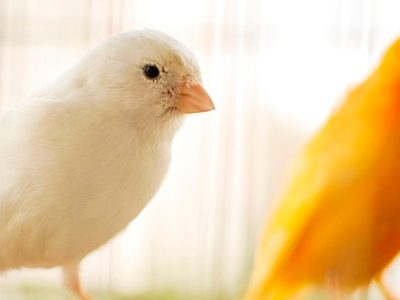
151,71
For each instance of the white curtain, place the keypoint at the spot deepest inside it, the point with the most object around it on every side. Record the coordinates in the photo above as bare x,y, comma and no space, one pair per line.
275,69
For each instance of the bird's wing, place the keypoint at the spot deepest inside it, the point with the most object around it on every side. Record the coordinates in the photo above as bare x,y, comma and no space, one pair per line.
324,172
285,227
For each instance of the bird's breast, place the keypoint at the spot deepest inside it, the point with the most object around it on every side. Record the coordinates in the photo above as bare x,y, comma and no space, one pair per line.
104,194
124,189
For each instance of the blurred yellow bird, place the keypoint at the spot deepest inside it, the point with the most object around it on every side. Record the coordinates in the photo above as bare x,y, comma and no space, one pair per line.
338,224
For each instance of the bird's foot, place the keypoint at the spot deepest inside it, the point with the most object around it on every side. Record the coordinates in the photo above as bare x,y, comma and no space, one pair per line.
72,281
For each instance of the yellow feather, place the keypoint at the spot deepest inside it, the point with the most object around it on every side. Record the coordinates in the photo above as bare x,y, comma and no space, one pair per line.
338,222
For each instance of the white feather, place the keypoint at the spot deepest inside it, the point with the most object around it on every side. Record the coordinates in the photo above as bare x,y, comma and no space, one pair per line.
89,152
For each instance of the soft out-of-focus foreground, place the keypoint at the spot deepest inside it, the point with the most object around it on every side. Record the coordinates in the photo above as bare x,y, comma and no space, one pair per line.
275,70
337,223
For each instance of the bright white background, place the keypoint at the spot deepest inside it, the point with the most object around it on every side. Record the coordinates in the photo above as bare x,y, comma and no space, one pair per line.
275,69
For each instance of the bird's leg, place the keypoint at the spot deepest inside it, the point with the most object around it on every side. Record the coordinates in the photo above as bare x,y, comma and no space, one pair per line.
336,294
72,281
384,290
362,293
334,289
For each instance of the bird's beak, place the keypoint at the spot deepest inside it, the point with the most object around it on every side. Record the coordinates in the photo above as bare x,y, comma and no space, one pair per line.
194,98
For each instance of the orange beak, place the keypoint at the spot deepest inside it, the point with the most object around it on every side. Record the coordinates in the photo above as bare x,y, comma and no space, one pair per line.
194,98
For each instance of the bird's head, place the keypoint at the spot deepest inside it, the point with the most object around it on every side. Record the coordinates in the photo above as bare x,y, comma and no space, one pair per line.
149,74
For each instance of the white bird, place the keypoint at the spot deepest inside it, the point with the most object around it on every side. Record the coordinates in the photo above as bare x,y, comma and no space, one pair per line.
84,158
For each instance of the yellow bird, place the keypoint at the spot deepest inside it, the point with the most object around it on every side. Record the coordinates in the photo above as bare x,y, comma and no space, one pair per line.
338,223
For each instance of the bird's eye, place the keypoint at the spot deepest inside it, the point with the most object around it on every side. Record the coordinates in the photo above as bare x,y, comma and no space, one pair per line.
151,71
